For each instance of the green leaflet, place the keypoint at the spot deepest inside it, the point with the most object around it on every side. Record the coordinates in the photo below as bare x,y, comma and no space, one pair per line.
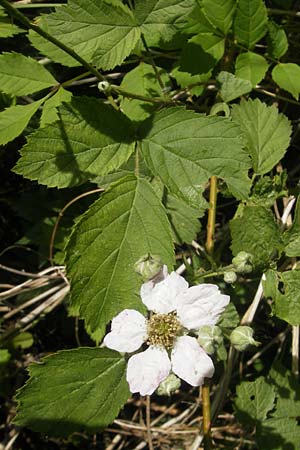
50,112
142,81
287,76
73,390
127,222
254,400
184,149
219,13
287,304
232,87
101,32
254,230
251,66
21,75
14,120
250,22
277,40
159,20
90,139
184,219
267,132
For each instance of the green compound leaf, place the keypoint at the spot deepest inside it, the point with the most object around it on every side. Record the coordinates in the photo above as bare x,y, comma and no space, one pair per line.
219,13
255,231
21,75
292,236
159,19
267,132
127,222
254,400
73,390
287,304
277,40
287,392
90,139
100,31
250,22
197,22
232,87
187,80
50,112
251,66
142,81
287,76
14,120
184,149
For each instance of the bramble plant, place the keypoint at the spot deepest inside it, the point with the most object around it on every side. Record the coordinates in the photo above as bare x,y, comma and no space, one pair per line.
168,128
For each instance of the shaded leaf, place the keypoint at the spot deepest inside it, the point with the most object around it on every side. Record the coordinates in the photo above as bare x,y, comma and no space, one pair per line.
292,236
142,81
128,221
7,27
287,76
287,304
254,230
277,40
73,390
90,139
267,132
185,149
232,87
254,400
250,22
251,66
50,112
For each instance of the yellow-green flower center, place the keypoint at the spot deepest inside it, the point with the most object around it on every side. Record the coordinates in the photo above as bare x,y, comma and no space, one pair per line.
163,329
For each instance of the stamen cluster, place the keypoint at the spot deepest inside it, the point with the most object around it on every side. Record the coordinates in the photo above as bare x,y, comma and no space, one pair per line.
163,329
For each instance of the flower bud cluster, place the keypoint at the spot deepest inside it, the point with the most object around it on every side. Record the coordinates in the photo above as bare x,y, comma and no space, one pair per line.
243,262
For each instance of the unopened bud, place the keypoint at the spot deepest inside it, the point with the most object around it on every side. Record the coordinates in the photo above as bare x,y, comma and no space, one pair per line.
210,337
230,277
104,86
241,337
148,266
169,385
243,262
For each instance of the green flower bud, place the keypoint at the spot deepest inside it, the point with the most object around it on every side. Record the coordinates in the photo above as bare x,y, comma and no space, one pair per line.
210,337
104,86
148,266
241,337
230,277
169,385
243,262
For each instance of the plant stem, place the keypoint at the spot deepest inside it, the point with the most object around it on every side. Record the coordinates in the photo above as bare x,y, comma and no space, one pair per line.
211,224
19,5
148,422
137,162
158,77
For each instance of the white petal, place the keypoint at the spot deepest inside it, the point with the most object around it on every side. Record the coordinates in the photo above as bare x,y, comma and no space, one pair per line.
190,362
163,297
201,305
128,331
146,370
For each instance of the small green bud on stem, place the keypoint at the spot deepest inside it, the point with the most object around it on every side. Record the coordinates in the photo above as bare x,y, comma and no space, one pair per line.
169,385
243,262
242,337
148,266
